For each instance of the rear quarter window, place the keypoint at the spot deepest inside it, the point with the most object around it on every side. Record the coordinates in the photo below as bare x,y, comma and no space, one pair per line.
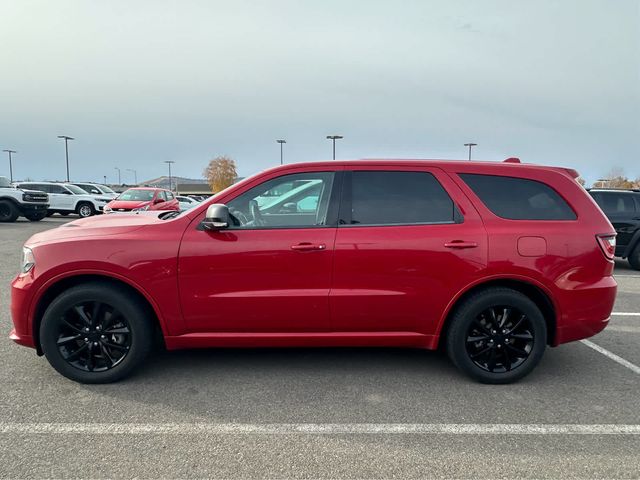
518,198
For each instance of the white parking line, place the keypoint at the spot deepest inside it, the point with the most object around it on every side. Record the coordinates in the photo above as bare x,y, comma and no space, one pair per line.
612,356
622,328
625,314
317,428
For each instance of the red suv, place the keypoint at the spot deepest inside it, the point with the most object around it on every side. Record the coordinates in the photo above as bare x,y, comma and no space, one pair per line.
143,199
492,261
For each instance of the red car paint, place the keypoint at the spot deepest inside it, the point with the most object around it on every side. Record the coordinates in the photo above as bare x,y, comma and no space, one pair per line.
160,200
365,286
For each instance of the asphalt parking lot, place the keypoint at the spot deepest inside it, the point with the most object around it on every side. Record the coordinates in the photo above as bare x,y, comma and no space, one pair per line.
334,413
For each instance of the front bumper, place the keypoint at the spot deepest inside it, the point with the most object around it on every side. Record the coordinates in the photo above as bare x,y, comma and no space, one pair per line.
20,302
30,208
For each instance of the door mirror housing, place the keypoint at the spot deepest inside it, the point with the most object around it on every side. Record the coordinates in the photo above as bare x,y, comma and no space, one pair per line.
217,217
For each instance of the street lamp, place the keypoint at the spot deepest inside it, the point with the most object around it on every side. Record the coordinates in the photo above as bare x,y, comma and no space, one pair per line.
470,145
119,181
135,174
105,179
10,165
281,142
169,162
334,138
66,150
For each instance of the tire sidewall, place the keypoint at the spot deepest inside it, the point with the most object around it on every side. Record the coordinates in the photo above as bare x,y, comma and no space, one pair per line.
134,312
634,257
13,211
82,206
456,339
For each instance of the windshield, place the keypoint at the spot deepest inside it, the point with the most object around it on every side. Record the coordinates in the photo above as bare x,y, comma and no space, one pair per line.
105,189
137,195
76,190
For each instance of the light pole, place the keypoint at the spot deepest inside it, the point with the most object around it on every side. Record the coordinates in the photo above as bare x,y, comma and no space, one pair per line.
119,181
281,142
135,174
470,145
66,150
169,162
334,138
105,179
10,165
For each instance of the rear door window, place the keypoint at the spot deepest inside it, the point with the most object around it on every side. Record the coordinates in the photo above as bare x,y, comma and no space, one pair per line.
519,198
613,203
398,198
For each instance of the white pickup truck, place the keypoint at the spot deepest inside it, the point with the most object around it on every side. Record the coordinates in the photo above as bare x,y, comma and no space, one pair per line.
65,198
16,202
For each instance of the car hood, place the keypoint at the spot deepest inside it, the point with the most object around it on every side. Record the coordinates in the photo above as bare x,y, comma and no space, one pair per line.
128,203
100,225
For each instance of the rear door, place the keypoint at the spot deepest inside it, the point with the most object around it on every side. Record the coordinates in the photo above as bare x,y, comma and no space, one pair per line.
408,240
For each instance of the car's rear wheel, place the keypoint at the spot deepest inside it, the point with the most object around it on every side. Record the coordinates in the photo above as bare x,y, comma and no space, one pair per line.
8,211
497,335
85,209
96,333
634,258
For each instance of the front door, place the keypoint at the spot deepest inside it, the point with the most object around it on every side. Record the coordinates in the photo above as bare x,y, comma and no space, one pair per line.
407,242
271,270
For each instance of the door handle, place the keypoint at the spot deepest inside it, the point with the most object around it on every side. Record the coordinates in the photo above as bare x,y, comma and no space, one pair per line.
460,244
307,247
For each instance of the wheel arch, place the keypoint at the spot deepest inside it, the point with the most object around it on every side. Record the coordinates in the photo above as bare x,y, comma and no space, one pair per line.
58,286
534,292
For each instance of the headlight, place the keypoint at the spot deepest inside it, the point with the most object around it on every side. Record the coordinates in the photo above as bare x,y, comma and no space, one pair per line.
141,209
28,260
107,209
102,200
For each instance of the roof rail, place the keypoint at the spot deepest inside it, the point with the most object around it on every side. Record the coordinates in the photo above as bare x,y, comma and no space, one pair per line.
512,160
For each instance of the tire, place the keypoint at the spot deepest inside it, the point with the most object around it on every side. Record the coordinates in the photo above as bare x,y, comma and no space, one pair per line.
634,257
114,345
508,344
8,211
35,217
85,209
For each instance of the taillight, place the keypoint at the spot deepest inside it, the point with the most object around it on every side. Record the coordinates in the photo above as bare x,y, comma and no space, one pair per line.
607,243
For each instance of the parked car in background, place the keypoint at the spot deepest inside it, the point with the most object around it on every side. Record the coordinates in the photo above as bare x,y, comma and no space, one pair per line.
17,202
186,202
473,256
622,207
66,198
97,189
141,199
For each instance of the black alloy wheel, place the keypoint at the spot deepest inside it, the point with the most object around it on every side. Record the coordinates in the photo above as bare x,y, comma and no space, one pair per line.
93,336
496,335
97,332
500,339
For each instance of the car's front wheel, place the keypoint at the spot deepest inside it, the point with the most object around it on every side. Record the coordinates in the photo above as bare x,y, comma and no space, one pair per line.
497,335
8,211
96,333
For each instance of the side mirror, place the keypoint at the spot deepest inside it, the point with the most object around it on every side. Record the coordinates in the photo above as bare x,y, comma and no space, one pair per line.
217,217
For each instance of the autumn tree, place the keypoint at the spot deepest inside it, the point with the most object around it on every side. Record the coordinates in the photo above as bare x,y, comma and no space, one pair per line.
617,179
220,173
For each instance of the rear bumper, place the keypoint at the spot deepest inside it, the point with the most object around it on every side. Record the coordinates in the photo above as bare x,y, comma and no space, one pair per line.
586,310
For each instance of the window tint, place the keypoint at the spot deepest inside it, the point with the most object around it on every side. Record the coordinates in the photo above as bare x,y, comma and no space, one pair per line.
615,203
519,198
392,198
298,200
57,189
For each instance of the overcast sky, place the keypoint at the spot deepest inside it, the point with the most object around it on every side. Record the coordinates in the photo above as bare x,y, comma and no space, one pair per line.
141,82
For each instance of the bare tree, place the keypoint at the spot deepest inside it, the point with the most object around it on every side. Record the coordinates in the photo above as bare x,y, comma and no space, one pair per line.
581,181
616,179
220,173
